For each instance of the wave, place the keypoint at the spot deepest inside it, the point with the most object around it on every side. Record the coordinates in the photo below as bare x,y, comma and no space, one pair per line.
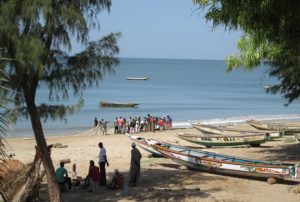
27,132
238,119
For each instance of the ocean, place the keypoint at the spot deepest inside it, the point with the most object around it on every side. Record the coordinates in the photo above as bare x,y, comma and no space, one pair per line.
187,90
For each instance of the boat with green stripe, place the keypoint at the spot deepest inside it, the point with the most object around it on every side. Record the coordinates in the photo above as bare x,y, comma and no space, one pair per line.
224,140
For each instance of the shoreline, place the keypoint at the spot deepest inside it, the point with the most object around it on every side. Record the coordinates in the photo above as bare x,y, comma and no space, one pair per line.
176,124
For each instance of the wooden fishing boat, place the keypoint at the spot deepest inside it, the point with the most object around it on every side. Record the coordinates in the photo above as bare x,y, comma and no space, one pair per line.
137,78
279,126
225,164
117,104
145,144
224,140
222,130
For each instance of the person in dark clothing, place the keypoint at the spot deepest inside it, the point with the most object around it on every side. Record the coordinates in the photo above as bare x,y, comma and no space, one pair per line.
135,165
117,181
96,125
116,126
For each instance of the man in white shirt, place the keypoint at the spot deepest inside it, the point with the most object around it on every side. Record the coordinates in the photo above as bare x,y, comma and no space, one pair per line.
102,161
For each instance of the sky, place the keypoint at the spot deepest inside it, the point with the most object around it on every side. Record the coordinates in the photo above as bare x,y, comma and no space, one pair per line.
174,29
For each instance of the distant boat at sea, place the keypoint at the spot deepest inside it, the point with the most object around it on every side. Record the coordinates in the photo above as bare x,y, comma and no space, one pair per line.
266,86
137,78
117,104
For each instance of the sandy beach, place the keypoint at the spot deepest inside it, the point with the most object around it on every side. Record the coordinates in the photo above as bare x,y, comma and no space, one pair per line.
162,179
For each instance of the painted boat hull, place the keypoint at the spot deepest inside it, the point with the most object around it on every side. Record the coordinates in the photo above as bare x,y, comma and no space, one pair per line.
281,127
217,141
225,164
212,169
145,144
210,129
115,104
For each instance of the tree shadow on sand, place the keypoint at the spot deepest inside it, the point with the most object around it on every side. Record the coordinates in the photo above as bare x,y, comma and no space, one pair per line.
288,152
154,185
161,180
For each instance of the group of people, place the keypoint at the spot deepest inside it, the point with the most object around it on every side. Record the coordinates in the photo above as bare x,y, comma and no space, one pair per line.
97,175
137,124
100,125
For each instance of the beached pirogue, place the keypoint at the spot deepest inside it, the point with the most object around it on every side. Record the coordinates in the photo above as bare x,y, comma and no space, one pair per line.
225,164
278,126
222,130
253,140
216,163
145,143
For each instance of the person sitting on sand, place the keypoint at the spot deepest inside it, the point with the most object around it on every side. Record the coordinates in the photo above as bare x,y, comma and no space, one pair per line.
62,175
117,181
93,176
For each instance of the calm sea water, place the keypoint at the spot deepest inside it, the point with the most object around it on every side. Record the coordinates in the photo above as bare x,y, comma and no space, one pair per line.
184,89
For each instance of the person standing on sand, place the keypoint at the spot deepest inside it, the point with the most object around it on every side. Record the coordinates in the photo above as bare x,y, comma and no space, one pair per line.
116,126
135,166
95,125
102,161
169,122
103,127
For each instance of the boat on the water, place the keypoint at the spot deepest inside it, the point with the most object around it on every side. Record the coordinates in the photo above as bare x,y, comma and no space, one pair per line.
117,104
145,144
266,86
222,130
208,141
137,78
278,126
225,164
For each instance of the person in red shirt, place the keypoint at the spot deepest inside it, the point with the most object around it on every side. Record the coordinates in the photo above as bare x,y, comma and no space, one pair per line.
94,176
160,124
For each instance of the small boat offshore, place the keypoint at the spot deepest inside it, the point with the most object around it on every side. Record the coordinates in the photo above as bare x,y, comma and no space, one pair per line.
117,104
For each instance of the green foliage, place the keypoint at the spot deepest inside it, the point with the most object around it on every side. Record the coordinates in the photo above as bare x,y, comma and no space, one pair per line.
37,35
4,122
271,35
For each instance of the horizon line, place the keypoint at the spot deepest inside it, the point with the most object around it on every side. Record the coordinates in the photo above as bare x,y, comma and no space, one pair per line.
169,58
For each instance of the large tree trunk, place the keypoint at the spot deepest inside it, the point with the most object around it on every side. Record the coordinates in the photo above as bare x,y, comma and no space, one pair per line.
54,192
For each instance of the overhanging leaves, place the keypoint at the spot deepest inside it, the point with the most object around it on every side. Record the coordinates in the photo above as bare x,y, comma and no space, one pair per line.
272,36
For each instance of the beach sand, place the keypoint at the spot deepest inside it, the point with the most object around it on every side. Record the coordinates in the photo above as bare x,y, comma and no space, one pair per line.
162,179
